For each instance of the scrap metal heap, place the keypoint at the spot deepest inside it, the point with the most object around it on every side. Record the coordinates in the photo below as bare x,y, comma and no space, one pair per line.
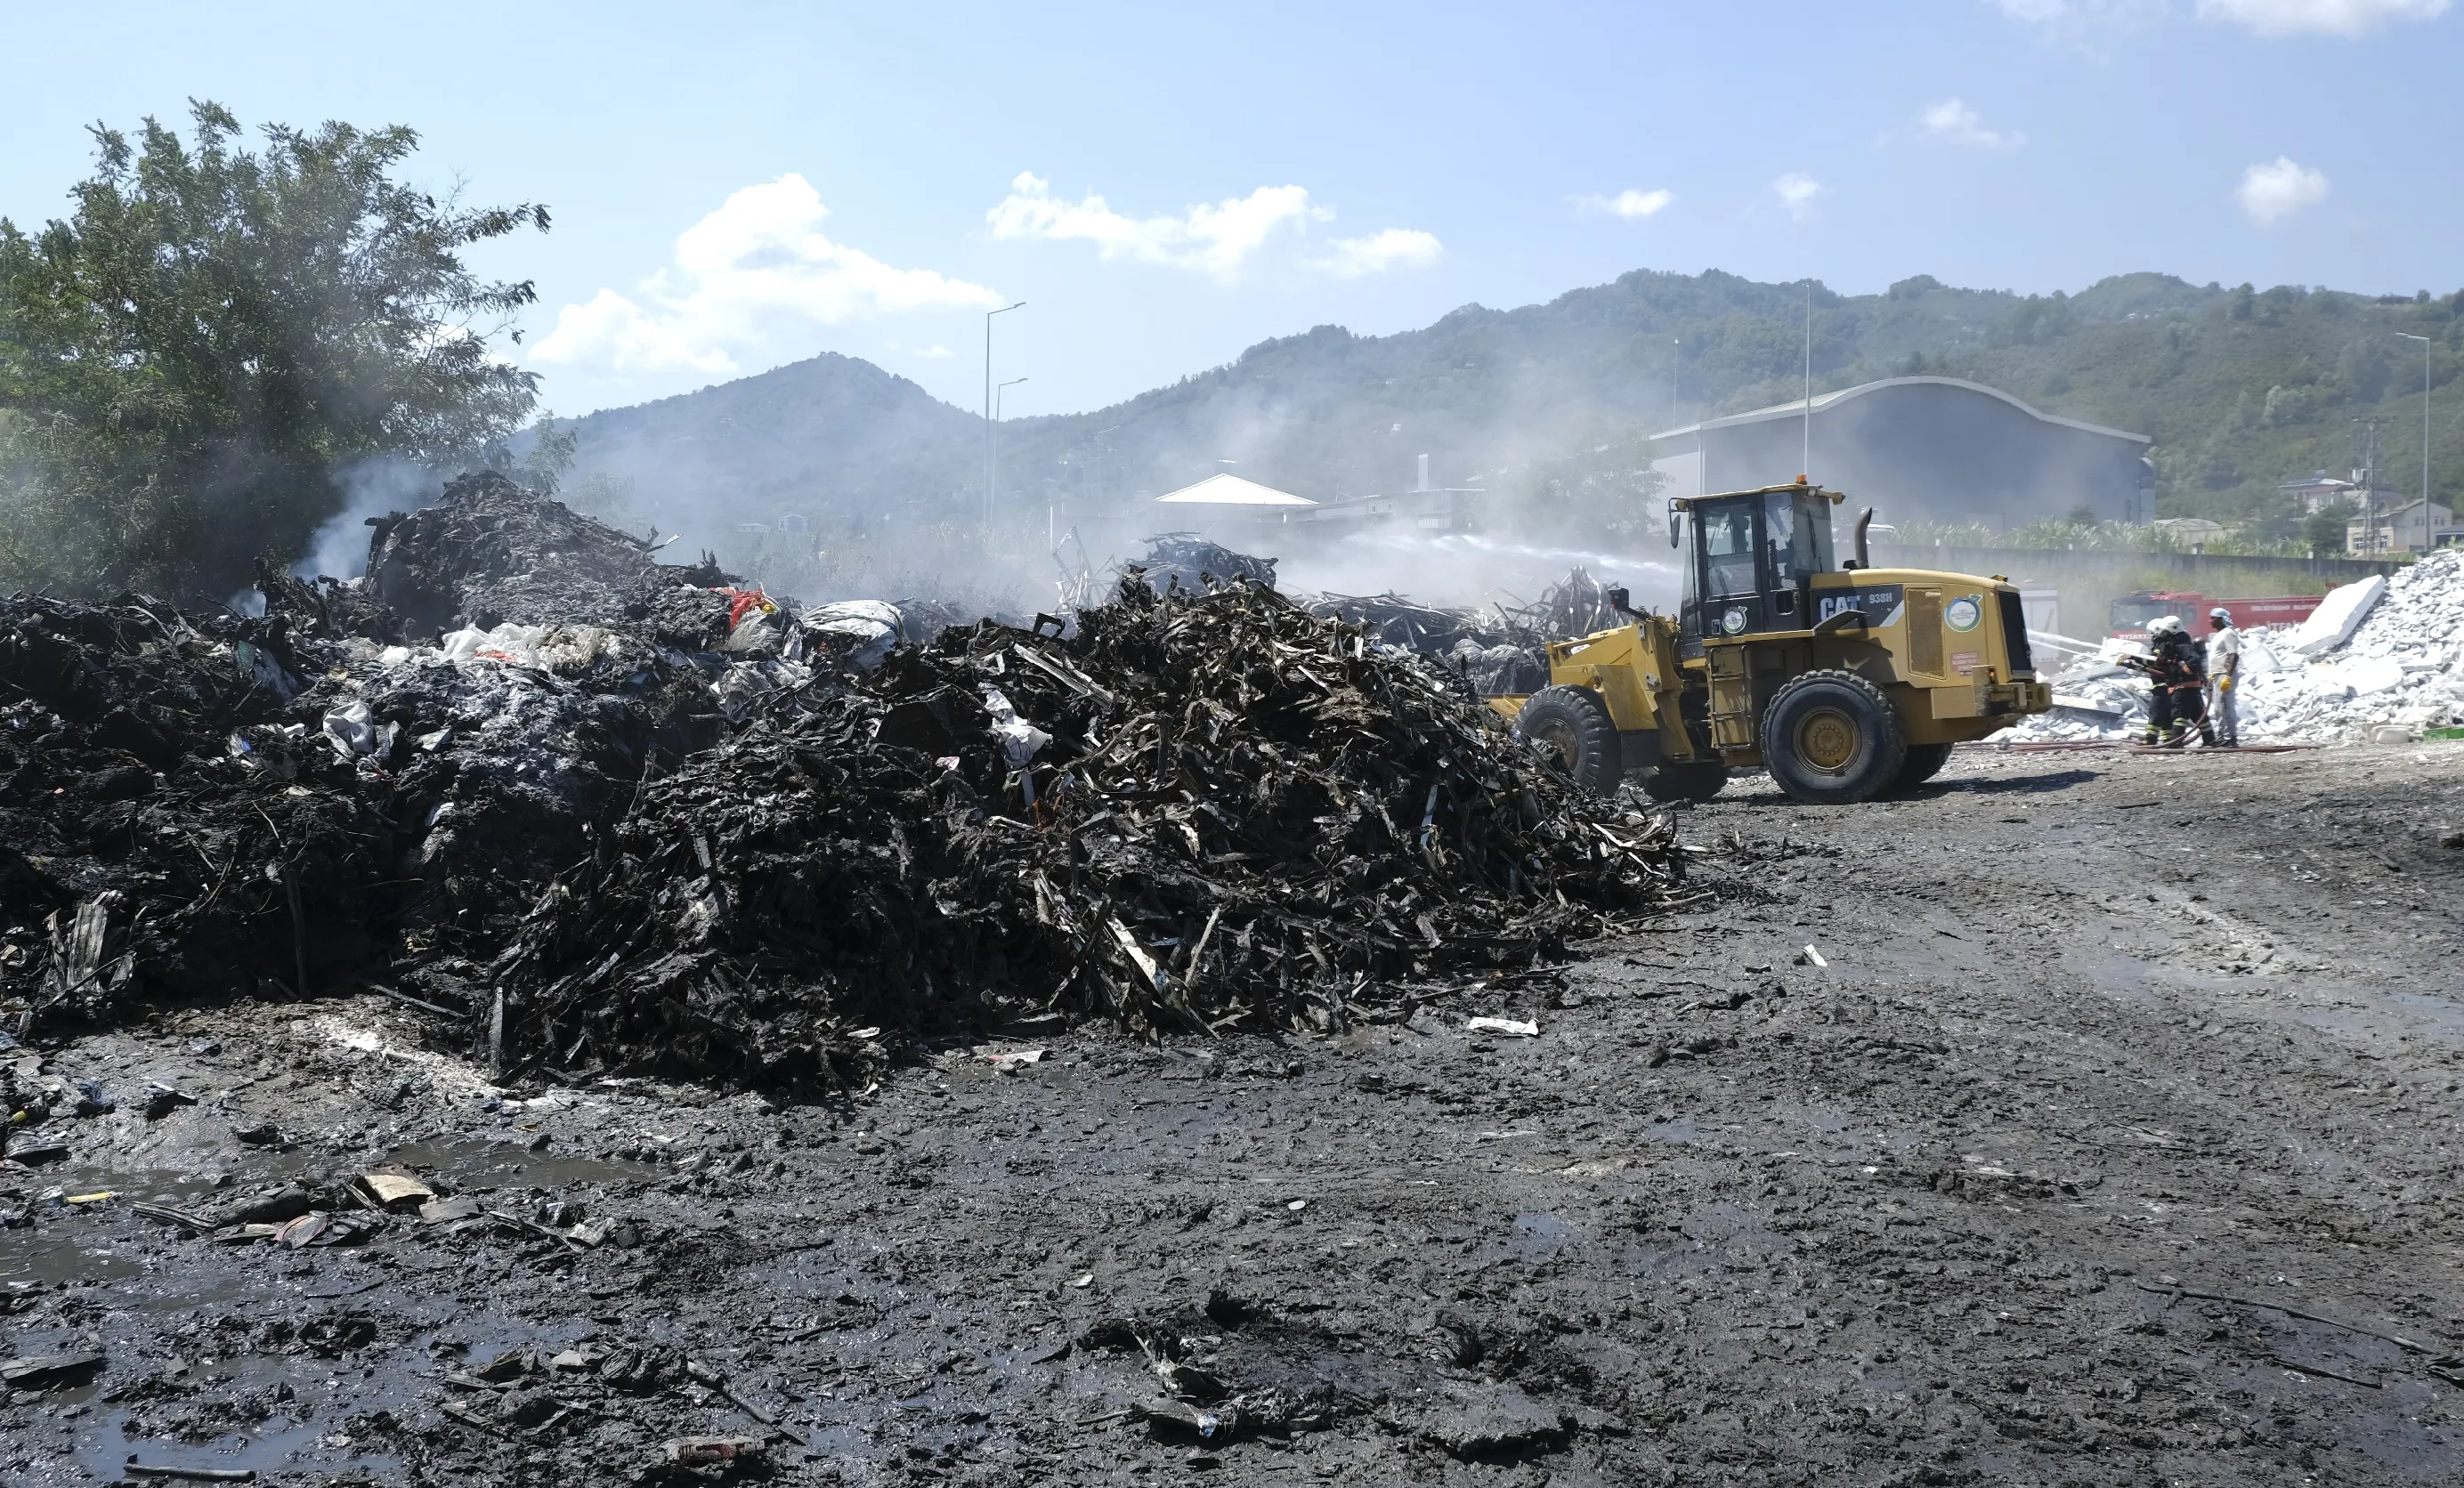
606,813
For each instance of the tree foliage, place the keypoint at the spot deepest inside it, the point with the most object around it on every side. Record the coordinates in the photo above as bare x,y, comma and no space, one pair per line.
188,359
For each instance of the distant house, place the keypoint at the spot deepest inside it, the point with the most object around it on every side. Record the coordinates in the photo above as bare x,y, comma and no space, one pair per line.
2416,527
1935,448
2193,532
2318,491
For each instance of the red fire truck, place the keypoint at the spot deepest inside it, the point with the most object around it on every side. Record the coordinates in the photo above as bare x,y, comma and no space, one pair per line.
2131,613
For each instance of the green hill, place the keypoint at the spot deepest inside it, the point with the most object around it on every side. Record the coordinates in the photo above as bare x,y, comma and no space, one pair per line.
2240,388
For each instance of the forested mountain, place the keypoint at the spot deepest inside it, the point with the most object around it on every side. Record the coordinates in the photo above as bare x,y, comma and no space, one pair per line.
2241,389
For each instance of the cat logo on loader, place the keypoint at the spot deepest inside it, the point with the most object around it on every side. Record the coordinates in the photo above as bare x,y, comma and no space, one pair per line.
1846,682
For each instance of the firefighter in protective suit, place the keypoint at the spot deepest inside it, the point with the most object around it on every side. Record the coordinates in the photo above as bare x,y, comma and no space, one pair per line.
2178,684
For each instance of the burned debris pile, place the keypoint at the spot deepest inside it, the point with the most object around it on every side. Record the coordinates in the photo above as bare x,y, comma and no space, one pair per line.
1204,811
489,553
1495,649
612,814
1186,560
164,814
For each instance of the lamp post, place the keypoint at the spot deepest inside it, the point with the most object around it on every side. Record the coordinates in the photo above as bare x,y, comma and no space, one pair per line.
2426,528
991,483
988,408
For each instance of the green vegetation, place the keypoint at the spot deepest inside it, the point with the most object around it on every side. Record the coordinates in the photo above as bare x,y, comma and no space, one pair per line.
188,361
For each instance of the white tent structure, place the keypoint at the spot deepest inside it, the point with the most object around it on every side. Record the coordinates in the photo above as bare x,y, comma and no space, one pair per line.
1236,497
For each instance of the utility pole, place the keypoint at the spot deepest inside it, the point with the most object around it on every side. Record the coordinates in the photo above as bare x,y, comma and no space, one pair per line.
988,408
2426,528
1805,456
2370,481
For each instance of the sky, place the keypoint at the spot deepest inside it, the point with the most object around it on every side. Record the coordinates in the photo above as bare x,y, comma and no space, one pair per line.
734,186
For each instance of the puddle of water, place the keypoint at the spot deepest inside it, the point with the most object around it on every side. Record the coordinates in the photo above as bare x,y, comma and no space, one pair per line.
478,1163
105,1451
1540,1235
57,1260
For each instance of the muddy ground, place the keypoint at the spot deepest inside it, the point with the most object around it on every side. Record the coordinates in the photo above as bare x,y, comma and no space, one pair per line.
2099,1038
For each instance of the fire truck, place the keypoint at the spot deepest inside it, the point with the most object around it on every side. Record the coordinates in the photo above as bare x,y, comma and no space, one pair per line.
2131,613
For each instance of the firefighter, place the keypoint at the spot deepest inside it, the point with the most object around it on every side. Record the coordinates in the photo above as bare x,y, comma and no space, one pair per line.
2224,673
2178,682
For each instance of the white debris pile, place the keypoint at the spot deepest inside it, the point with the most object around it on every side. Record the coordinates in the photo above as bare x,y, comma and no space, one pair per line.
2403,666
2381,653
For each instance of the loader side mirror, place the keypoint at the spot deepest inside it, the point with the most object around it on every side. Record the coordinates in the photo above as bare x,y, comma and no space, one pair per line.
1675,518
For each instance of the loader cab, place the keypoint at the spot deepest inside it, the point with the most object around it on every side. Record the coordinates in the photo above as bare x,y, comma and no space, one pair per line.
1749,556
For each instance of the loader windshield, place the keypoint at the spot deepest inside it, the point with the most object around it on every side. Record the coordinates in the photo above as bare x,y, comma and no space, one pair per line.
1796,527
1728,548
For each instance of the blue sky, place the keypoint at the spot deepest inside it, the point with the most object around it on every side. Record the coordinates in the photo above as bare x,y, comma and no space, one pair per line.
739,185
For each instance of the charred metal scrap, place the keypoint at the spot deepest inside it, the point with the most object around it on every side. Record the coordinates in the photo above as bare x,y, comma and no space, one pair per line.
1204,811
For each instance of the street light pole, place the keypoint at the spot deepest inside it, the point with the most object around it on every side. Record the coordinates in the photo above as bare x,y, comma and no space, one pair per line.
993,482
988,408
2428,530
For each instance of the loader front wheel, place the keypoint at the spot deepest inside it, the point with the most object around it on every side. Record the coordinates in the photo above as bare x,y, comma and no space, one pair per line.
1685,782
1832,739
1572,729
1925,762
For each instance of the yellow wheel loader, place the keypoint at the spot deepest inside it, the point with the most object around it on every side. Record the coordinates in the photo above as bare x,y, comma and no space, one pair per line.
1846,682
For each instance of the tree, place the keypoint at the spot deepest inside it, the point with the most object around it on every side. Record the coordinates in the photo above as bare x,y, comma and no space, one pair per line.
187,360
2323,530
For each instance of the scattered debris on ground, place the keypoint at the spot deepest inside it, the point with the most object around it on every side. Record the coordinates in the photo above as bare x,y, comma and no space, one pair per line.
2065,1156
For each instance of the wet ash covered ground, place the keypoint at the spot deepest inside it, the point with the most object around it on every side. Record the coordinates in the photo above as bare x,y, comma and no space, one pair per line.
1940,1211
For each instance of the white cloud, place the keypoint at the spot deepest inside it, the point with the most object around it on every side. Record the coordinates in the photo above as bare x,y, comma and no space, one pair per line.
935,352
1956,123
2327,17
1629,204
2079,13
1796,192
2080,22
755,267
1217,239
1396,248
2273,191
2078,19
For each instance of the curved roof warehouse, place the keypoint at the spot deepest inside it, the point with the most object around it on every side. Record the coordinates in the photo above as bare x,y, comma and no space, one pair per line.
1935,448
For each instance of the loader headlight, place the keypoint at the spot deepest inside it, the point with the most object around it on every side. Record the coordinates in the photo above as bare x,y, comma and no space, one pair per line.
1733,623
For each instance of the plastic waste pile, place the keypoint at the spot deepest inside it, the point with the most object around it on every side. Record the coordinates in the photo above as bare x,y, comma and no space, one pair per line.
2379,655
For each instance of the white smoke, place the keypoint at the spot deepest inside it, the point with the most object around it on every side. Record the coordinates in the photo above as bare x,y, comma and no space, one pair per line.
371,488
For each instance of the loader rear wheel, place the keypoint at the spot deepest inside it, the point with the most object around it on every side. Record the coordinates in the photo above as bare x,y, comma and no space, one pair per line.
1832,739
1695,782
1925,762
1571,729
